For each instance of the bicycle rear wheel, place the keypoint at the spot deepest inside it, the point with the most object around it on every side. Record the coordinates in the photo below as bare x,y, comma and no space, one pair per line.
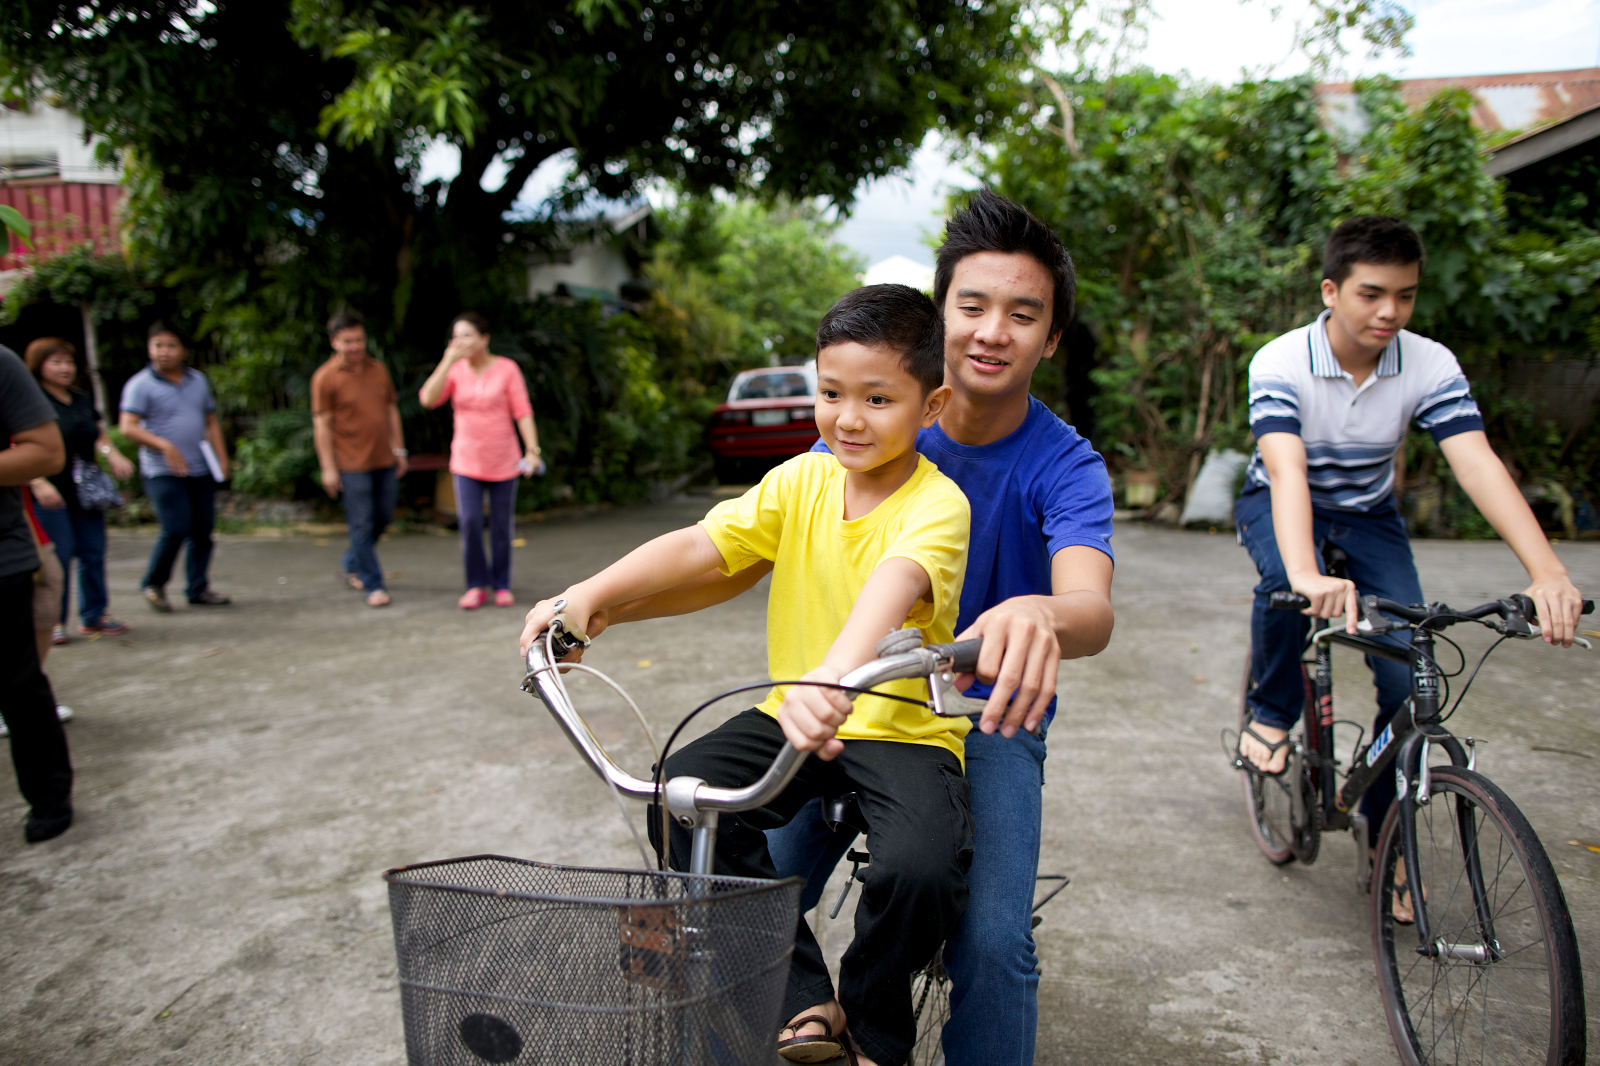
1502,982
930,1005
1268,803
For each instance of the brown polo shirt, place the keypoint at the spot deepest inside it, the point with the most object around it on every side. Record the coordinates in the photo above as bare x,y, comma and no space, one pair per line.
359,402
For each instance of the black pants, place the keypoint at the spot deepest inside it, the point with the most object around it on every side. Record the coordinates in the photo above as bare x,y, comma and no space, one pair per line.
915,801
38,743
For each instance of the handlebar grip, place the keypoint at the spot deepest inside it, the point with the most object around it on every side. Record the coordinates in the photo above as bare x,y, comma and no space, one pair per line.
1588,607
963,654
1289,601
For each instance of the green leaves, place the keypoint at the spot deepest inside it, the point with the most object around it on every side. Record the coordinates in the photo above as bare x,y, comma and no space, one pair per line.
15,225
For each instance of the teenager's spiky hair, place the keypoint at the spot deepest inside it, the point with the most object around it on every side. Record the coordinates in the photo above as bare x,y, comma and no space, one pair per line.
991,223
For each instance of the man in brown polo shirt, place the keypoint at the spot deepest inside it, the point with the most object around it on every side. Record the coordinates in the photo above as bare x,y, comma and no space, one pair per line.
359,445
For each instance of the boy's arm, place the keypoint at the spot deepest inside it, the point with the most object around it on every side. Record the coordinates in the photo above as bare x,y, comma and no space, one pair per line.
1284,455
811,716
1026,637
654,567
1484,477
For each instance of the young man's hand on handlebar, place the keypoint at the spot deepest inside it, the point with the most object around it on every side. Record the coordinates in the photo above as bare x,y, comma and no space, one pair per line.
811,716
1330,597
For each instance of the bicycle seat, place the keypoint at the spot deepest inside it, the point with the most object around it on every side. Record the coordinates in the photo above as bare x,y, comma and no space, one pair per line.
844,809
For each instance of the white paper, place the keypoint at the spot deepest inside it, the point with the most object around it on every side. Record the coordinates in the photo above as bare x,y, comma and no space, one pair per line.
211,460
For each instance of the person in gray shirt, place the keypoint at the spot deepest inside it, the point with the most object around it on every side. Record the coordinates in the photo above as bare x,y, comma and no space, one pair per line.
168,410
30,447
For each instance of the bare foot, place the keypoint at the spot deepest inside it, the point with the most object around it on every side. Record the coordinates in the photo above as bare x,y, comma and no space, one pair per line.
1265,759
1403,912
377,598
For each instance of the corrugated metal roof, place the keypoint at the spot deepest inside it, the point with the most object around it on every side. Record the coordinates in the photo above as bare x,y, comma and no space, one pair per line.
1504,101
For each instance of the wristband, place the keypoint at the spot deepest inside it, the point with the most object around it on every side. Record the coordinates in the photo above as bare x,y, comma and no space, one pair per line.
401,452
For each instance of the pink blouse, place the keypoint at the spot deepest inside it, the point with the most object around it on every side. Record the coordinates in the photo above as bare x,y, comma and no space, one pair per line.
486,407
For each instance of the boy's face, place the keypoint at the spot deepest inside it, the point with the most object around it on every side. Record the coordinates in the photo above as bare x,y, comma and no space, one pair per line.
1373,304
868,407
997,315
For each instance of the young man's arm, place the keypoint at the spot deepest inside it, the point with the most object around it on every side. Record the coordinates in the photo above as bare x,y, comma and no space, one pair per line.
1026,637
132,427
660,564
322,437
397,441
811,716
1484,477
35,452
1284,455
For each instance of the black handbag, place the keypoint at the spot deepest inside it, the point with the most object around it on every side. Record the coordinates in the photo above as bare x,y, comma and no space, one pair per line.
96,490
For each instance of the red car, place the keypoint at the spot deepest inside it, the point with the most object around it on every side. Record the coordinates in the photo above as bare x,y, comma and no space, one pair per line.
770,414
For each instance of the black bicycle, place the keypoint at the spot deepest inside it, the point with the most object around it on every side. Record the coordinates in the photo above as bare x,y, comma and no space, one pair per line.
1489,971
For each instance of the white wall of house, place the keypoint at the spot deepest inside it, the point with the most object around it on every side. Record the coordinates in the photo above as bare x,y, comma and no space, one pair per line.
49,142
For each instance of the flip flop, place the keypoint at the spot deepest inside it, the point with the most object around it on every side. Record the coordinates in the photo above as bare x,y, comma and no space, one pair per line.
811,1047
1241,762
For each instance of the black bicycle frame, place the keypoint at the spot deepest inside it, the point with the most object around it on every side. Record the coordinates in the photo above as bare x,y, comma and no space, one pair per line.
1401,740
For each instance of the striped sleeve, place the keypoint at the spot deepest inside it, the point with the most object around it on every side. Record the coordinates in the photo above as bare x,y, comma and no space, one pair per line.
1449,409
1274,406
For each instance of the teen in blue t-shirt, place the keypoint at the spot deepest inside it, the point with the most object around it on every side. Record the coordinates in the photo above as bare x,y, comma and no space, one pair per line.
1038,590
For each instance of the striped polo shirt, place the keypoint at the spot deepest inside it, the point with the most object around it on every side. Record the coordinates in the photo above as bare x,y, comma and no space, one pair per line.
1352,432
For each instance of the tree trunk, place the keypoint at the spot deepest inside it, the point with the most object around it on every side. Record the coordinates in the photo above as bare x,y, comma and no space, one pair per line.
91,354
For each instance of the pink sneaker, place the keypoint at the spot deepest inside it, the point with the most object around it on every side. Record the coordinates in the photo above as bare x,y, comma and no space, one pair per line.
503,598
471,600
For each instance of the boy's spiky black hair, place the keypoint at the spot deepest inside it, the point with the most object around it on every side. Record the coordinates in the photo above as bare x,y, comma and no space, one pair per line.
1377,239
991,223
896,317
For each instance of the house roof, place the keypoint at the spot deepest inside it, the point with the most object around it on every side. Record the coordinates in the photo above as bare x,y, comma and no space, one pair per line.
1503,101
1543,143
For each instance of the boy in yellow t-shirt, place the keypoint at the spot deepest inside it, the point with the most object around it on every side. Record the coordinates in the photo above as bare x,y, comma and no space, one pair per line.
862,541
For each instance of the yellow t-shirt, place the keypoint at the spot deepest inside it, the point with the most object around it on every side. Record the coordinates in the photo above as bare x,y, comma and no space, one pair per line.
795,518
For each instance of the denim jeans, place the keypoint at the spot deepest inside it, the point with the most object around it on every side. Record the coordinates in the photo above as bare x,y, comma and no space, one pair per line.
369,497
185,506
994,990
494,570
1380,565
81,534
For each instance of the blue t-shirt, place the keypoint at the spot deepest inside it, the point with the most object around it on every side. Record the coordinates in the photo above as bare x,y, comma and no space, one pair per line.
173,412
1034,492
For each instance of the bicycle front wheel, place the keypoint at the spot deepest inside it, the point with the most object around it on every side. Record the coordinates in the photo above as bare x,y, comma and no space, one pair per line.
1500,982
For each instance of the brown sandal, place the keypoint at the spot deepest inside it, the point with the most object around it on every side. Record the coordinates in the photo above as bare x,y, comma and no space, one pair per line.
812,1048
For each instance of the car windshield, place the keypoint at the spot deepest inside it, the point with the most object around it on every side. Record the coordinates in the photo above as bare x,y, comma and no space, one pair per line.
772,387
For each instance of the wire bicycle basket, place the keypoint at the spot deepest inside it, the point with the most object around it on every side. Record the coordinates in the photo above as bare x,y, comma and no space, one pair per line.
511,961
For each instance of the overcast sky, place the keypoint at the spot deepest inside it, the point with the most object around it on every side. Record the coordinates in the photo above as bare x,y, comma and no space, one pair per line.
1216,40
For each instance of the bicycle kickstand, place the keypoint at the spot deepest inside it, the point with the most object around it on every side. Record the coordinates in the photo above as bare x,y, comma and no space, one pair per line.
857,858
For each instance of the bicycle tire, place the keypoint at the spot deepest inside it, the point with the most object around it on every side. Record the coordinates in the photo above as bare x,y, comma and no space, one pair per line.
1526,1005
930,1008
1267,801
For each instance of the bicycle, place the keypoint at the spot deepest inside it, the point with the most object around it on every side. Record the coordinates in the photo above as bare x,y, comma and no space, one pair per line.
1493,975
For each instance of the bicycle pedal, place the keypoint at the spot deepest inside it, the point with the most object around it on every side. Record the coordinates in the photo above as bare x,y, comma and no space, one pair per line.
1358,833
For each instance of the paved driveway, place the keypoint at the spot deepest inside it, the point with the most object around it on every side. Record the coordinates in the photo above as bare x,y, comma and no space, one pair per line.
244,776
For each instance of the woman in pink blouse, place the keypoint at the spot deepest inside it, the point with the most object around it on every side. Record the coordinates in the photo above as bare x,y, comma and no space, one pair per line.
489,398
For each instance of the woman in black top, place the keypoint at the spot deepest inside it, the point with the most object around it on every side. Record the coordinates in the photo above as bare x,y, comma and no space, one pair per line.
74,531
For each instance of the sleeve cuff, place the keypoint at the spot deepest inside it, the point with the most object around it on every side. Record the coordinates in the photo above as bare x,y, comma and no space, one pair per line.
733,560
1278,424
1454,426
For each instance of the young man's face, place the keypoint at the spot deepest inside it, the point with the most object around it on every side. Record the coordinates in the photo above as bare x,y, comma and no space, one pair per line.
868,407
1374,303
166,352
351,344
997,316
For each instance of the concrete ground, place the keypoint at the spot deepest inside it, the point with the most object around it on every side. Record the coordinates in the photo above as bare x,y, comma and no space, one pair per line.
244,775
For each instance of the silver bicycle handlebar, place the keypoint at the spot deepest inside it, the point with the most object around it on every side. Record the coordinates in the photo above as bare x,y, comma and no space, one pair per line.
687,797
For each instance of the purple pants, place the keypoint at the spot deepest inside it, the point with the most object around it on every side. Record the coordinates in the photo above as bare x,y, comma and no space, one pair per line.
494,569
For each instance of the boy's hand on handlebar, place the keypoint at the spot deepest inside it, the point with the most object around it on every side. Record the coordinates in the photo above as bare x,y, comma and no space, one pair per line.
1022,654
1330,597
1559,605
811,716
544,612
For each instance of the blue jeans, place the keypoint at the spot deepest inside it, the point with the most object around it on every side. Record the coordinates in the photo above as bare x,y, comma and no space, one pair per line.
1380,565
81,534
994,978
369,497
493,570
186,507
